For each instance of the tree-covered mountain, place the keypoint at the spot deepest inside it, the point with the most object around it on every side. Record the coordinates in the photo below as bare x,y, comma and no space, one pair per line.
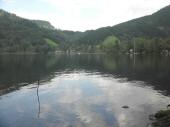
151,34
22,35
155,25
44,24
151,28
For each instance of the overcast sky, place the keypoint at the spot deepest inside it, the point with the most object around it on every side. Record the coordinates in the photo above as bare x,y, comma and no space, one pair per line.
80,15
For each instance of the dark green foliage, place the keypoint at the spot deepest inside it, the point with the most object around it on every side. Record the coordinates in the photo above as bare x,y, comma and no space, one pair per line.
161,18
150,45
22,35
162,119
154,28
43,24
149,33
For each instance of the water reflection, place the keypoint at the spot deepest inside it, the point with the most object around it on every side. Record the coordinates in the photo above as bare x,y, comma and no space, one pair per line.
39,104
81,90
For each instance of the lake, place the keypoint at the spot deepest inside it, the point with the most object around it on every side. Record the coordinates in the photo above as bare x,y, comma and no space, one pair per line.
82,90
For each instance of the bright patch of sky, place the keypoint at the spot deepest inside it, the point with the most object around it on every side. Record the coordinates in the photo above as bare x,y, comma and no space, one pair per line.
81,15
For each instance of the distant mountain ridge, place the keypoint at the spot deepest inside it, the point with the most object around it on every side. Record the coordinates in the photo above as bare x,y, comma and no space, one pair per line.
22,35
157,24
43,24
19,34
40,23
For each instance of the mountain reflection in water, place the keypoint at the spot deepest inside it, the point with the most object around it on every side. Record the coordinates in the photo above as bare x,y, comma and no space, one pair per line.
82,90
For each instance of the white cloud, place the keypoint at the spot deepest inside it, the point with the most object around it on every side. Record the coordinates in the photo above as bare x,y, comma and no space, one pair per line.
8,1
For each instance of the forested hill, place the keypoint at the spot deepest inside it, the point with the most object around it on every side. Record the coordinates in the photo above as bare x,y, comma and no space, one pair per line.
21,35
151,34
44,24
155,25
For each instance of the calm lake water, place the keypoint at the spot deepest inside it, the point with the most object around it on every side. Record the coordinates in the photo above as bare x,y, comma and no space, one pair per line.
82,90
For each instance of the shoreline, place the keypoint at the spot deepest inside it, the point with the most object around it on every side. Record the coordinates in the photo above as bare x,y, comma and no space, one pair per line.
161,118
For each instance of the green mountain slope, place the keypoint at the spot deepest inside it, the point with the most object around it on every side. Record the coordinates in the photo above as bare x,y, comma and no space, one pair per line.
155,25
44,24
151,34
21,35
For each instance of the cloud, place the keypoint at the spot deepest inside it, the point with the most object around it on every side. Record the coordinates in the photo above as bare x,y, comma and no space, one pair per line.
14,1
8,1
83,14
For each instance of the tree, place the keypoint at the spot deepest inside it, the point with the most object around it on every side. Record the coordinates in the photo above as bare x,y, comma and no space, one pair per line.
111,44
